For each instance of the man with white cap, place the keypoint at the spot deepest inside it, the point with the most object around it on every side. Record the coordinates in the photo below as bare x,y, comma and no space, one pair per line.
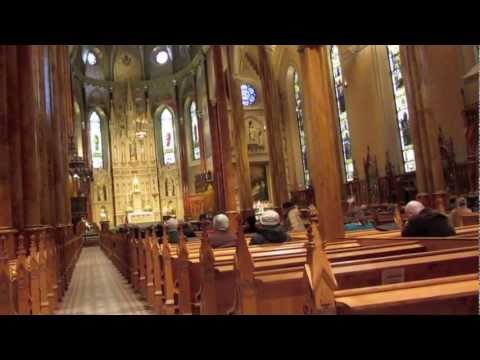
423,221
270,230
220,237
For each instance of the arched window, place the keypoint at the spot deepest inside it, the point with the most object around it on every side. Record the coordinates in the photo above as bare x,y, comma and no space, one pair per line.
301,125
168,137
342,112
401,107
249,95
96,140
195,132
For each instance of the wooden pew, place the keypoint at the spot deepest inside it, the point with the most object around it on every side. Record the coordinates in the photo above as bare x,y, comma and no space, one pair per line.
403,268
447,295
470,219
452,294
30,281
192,272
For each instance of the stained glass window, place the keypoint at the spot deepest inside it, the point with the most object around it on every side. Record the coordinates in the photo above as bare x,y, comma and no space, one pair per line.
342,112
195,134
301,125
249,95
401,108
168,137
96,141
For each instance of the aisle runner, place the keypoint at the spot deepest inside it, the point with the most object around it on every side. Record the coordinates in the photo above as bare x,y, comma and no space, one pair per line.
98,288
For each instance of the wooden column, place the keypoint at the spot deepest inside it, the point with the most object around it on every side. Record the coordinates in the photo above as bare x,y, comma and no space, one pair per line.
182,147
322,152
240,141
58,139
224,148
429,171
274,133
69,125
28,59
6,220
45,135
201,138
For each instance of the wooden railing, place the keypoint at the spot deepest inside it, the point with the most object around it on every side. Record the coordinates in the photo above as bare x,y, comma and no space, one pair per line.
34,280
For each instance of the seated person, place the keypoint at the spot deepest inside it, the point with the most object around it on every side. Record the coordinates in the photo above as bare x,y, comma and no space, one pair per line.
293,219
251,225
188,230
159,231
359,220
422,221
458,212
220,237
270,230
172,230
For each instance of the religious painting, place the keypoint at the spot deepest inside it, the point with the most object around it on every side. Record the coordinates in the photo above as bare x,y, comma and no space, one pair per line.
259,181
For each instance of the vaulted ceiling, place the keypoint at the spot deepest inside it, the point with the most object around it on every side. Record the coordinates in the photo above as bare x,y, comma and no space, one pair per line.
131,62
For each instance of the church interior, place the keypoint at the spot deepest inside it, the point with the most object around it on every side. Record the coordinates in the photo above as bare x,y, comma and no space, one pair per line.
239,179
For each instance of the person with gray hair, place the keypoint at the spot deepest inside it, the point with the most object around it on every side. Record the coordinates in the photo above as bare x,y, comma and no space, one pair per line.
423,221
270,229
221,238
461,209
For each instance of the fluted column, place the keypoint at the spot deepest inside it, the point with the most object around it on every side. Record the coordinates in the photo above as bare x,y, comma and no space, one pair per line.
274,133
240,141
68,127
418,86
201,137
28,59
182,147
58,137
5,163
223,133
322,151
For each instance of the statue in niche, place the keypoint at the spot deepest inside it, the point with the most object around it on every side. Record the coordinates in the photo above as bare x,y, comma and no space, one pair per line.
99,196
115,153
104,192
123,152
166,187
144,154
260,137
126,59
136,185
173,187
252,134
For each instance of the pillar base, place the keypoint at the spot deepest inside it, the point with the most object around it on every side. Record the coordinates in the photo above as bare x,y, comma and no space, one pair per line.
440,201
104,225
233,218
244,214
425,199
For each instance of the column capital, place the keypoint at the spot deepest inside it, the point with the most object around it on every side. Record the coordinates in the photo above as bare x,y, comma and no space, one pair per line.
301,48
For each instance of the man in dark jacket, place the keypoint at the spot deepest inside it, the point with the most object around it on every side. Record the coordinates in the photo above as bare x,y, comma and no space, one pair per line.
270,230
422,221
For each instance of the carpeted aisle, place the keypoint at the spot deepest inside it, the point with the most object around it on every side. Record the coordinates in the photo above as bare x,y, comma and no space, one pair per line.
98,288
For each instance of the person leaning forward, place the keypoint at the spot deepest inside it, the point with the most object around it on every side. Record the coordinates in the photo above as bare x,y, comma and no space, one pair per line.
423,221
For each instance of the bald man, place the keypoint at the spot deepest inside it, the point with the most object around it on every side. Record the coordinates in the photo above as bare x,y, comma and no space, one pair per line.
423,221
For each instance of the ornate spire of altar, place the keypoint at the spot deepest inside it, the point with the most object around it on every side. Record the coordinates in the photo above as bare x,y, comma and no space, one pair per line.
130,99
